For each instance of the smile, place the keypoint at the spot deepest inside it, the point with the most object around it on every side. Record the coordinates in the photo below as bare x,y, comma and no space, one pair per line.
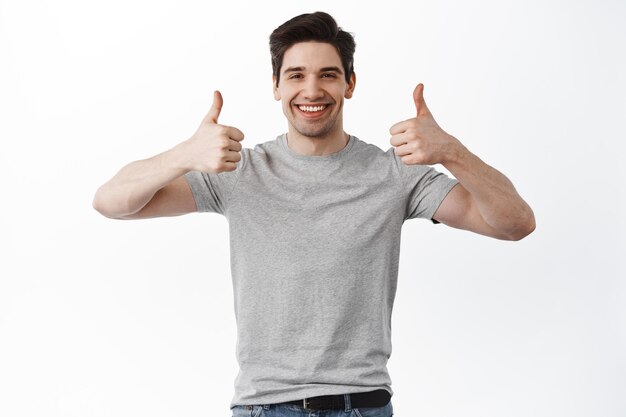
312,108
312,111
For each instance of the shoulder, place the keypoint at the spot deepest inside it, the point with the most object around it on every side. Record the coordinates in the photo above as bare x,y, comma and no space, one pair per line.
370,152
263,149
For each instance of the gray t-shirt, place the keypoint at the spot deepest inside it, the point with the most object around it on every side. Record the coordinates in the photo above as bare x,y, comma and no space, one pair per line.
315,243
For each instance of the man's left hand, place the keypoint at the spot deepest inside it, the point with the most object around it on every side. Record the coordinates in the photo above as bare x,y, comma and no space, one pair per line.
420,140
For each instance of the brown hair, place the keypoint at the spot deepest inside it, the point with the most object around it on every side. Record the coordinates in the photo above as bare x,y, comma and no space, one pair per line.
318,26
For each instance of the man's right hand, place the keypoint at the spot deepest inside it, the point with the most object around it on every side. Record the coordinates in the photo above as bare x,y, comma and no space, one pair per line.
214,147
156,187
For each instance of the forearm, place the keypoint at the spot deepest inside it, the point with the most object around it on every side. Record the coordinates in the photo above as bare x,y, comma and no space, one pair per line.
136,183
496,198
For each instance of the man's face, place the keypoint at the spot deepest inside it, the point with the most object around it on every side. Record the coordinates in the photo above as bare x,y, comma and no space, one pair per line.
312,75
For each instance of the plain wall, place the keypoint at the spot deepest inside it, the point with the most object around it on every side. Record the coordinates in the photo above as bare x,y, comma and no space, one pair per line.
102,317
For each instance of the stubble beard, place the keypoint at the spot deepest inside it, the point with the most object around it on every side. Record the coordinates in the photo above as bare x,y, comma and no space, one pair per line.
314,129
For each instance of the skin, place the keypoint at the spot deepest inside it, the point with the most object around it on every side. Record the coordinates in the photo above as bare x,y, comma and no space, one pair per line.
311,85
484,201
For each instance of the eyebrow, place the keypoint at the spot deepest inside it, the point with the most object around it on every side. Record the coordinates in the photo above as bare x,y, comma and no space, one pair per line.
325,69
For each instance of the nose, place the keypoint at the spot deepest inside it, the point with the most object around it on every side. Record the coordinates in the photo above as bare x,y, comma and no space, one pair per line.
311,89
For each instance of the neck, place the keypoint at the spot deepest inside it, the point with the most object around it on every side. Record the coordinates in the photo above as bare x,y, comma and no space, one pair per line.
317,145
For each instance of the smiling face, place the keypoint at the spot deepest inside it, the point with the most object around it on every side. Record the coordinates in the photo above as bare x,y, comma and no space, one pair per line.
312,88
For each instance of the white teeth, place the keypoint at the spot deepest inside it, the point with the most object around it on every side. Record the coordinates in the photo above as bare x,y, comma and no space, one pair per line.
312,108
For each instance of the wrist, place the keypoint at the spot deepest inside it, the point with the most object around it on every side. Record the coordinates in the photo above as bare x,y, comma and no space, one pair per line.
174,159
456,153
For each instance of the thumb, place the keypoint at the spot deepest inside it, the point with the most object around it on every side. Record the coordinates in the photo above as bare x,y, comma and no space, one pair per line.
216,107
418,98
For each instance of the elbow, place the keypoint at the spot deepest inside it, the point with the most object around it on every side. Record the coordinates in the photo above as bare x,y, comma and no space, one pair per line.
100,204
100,207
526,228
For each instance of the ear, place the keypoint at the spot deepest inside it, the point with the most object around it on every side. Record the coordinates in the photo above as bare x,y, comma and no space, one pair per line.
351,85
275,89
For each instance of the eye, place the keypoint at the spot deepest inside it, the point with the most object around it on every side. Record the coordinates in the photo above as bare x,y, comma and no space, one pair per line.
330,74
295,75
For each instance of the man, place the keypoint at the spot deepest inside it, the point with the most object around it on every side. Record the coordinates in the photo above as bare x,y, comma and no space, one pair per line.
314,219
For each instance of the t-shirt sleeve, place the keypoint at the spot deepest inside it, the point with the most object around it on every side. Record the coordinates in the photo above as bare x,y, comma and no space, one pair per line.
424,188
212,192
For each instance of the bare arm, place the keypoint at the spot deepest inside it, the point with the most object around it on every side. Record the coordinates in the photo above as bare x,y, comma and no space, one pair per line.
485,201
156,186
135,185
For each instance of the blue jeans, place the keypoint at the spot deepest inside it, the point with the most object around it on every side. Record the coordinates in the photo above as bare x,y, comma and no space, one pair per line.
292,410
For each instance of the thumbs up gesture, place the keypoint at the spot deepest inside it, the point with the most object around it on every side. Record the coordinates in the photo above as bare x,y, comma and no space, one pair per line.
420,140
214,147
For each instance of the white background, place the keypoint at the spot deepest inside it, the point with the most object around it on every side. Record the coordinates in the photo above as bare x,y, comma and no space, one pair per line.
100,317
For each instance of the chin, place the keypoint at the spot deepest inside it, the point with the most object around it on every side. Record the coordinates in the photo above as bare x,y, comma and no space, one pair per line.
314,132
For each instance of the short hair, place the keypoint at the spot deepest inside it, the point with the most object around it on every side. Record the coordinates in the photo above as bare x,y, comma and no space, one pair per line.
319,27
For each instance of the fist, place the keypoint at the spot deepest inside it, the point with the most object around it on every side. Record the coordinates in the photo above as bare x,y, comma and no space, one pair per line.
214,148
420,140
